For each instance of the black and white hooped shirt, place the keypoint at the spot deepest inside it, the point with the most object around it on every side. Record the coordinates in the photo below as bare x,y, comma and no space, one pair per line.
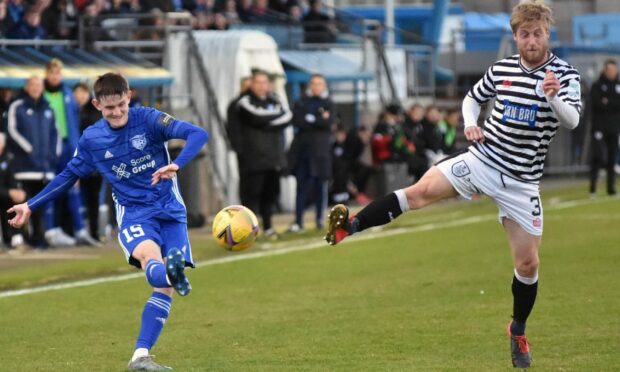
522,124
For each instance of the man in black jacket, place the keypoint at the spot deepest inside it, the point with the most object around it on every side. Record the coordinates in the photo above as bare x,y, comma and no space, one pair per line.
262,119
310,153
605,96
318,27
33,147
10,194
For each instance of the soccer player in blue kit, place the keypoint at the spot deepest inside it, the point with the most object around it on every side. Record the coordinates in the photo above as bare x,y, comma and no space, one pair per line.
128,147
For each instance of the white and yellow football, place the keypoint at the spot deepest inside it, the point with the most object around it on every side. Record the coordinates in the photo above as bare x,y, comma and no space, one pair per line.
235,228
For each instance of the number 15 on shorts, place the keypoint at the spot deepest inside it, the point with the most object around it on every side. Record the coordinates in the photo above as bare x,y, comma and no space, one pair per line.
132,232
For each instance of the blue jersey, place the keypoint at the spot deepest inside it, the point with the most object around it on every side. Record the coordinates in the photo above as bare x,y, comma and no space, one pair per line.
127,158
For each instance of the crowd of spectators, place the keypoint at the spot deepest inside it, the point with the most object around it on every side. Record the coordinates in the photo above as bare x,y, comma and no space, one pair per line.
58,19
40,126
417,138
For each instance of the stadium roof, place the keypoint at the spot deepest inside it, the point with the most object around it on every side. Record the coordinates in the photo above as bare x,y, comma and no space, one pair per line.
19,63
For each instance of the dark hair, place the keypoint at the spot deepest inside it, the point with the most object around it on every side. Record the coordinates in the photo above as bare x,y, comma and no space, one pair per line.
317,75
80,86
609,62
110,84
257,71
394,109
452,111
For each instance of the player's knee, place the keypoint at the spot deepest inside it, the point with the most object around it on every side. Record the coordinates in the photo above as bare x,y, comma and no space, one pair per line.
417,195
167,291
527,267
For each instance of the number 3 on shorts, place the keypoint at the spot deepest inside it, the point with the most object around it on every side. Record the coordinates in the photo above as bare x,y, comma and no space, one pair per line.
536,201
136,232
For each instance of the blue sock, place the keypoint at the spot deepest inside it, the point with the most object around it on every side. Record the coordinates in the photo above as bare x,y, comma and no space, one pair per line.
154,316
156,274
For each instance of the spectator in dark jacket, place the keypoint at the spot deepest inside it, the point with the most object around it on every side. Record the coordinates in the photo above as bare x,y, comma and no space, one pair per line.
4,17
339,187
318,27
389,142
605,97
356,146
448,129
34,148
263,118
10,193
29,27
233,127
15,13
260,13
414,130
432,134
310,152
91,185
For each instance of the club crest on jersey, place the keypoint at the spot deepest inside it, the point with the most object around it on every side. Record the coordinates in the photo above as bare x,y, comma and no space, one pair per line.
520,113
139,141
460,169
539,88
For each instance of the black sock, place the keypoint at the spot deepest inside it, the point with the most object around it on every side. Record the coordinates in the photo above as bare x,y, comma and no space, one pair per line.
377,213
524,297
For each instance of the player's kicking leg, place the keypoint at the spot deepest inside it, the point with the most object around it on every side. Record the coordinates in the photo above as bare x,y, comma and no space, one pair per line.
433,186
163,278
524,247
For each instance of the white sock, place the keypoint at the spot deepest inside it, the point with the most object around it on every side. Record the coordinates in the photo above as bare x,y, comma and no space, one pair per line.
403,203
139,353
525,280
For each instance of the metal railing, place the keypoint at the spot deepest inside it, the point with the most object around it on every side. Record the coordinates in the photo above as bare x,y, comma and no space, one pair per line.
144,34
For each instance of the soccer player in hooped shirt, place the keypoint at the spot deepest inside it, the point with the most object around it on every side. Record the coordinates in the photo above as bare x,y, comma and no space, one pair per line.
535,93
128,147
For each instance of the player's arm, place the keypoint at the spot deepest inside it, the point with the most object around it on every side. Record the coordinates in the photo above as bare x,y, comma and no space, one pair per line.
59,185
471,112
81,165
567,113
194,136
483,91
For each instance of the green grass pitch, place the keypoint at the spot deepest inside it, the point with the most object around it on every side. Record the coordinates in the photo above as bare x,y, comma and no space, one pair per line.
429,293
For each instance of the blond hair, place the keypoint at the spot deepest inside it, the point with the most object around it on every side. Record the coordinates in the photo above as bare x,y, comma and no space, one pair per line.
53,64
531,11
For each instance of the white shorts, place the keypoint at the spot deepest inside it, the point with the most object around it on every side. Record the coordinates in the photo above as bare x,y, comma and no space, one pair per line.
517,200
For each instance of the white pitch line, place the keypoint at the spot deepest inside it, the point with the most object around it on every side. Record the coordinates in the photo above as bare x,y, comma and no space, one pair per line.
305,247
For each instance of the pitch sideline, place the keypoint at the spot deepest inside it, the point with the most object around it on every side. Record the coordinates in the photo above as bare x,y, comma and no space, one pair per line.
300,248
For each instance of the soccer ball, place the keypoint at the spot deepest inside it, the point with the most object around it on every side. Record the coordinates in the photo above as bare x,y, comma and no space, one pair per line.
235,228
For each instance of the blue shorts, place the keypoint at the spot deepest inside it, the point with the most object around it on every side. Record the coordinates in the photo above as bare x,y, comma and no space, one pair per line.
167,234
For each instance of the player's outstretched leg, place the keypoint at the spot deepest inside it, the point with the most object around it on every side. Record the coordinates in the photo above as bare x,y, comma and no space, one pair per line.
432,187
379,212
175,268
